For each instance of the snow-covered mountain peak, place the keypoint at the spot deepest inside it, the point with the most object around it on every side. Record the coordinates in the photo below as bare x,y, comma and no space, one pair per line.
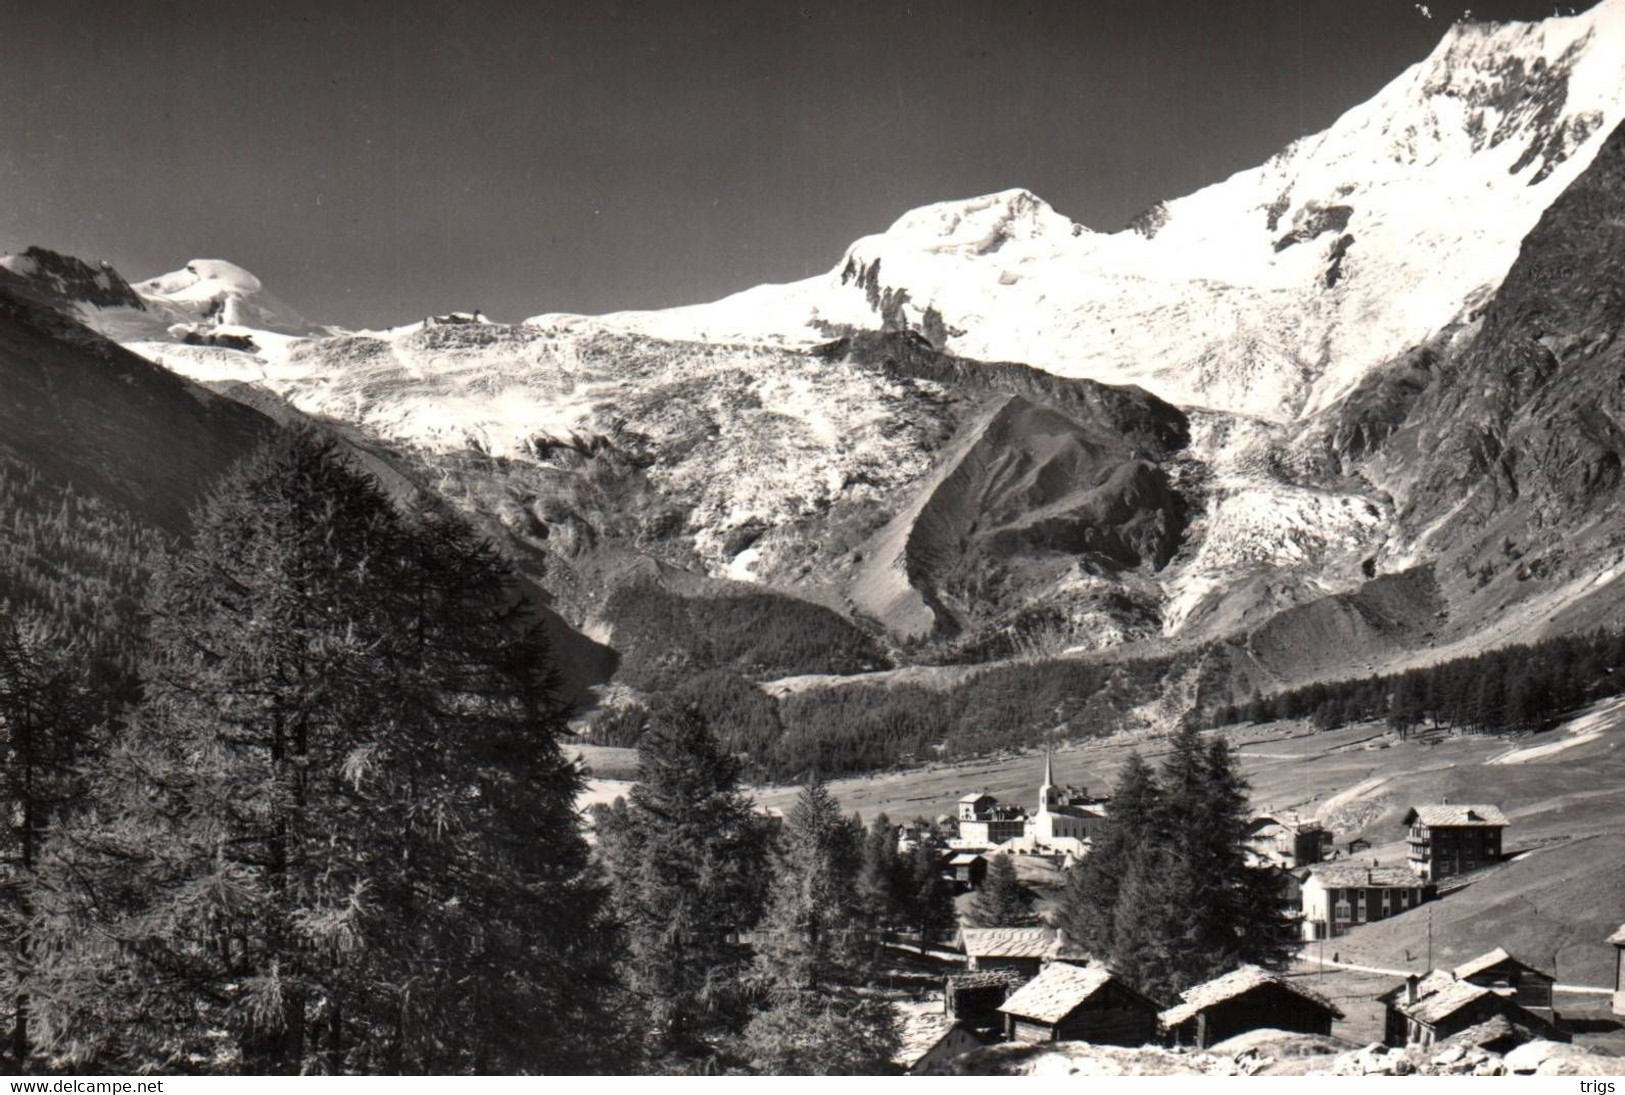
981,226
220,293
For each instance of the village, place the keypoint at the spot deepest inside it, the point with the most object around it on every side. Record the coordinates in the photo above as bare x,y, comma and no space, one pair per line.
1028,986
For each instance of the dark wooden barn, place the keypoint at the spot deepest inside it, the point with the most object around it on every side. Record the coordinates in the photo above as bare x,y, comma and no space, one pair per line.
965,871
1425,1011
1249,998
1500,972
1067,1003
974,998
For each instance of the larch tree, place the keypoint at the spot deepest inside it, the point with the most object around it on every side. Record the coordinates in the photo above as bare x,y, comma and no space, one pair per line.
687,861
815,957
47,712
930,903
1087,911
339,812
880,874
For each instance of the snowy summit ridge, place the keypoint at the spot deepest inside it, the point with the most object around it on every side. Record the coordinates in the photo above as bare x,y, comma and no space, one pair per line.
1270,293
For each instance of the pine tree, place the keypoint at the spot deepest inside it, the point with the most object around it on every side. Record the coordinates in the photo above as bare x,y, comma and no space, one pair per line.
1003,902
47,709
880,875
1166,896
339,811
930,902
814,956
1088,904
687,864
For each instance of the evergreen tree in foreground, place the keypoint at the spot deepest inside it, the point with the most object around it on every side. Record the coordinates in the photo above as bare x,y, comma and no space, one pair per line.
881,885
1090,897
47,710
687,862
815,958
1166,897
339,818
930,902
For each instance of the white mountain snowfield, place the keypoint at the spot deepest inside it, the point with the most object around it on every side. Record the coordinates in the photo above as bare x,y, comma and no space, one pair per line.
1437,177
1254,303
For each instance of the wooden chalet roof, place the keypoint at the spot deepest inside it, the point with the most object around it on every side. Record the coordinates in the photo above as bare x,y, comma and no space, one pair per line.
1495,958
1233,984
1006,942
1451,816
963,859
1354,876
1054,993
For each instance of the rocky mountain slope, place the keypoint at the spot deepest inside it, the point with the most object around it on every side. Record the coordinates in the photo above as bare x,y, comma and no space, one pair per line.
1351,406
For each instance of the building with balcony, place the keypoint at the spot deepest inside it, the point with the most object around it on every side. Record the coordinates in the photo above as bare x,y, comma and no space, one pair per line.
1448,840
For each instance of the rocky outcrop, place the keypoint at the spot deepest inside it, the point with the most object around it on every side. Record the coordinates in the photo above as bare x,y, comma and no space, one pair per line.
66,280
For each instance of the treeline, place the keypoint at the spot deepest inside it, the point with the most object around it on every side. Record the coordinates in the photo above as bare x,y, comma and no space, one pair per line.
861,727
79,567
322,835
664,638
1514,688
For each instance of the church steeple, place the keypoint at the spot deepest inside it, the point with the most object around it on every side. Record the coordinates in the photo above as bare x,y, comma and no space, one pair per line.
1046,793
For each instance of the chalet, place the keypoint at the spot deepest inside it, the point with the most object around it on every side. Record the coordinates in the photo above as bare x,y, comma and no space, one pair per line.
1275,842
1498,971
1618,940
965,870
1338,896
929,1040
1068,1003
1447,840
1019,949
974,998
1249,998
985,823
975,805
1426,1010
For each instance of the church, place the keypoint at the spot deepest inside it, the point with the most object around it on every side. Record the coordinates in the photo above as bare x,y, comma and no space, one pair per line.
1067,820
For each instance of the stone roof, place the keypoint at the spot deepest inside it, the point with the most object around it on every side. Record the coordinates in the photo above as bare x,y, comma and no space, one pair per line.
963,859
980,979
1618,938
1006,942
1448,816
1054,993
1443,1002
1233,984
918,1034
1352,875
975,796
1495,958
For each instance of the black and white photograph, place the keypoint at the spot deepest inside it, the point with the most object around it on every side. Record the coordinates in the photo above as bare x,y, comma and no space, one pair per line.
677,539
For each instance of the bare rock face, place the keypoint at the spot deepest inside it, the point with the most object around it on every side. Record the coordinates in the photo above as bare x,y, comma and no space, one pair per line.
68,280
1505,448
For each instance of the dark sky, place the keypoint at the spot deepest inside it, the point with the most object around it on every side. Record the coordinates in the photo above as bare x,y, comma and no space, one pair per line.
373,162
